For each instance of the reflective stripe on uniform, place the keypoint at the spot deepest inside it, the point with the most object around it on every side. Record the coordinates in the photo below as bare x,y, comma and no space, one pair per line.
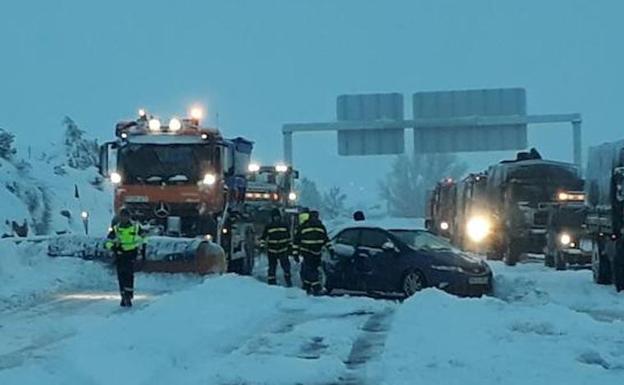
313,241
278,229
313,229
278,241
313,252
278,251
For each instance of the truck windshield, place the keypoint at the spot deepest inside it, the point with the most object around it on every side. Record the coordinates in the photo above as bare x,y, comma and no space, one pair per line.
541,191
170,164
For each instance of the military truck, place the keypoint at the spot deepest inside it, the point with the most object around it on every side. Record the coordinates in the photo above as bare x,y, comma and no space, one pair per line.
604,190
472,221
565,230
441,208
518,194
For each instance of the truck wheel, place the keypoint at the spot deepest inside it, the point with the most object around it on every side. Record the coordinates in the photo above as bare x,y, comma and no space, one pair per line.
549,260
512,254
560,261
601,266
617,265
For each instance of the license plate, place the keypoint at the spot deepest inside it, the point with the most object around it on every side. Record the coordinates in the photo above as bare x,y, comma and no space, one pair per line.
137,199
478,280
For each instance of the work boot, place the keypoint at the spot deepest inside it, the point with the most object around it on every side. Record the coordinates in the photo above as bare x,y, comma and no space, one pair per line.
123,302
272,281
288,280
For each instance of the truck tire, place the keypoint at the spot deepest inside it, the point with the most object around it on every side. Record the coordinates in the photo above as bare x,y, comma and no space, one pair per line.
549,260
512,253
601,266
560,261
617,265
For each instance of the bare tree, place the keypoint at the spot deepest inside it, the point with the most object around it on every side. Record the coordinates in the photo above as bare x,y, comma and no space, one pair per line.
407,184
309,195
334,203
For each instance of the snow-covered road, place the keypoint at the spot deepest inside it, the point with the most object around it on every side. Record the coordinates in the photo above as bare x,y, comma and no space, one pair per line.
542,326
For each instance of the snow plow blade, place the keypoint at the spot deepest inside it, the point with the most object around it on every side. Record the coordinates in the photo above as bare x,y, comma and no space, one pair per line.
160,254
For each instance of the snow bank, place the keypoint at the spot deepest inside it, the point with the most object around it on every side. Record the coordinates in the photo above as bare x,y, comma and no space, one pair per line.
27,273
530,338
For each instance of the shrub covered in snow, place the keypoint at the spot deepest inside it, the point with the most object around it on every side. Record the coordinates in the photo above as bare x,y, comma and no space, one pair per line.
81,153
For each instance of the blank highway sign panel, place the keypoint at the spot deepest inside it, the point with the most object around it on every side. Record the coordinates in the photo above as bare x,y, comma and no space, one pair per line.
470,103
370,107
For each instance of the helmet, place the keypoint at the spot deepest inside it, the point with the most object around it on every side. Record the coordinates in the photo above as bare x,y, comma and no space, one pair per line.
124,213
358,216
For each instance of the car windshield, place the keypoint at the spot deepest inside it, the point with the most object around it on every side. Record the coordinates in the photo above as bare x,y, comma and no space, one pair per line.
157,164
423,240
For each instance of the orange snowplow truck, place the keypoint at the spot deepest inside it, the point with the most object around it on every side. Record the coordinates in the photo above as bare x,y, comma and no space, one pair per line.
184,183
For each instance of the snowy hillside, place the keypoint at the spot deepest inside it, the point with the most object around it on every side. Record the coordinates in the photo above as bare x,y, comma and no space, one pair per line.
49,192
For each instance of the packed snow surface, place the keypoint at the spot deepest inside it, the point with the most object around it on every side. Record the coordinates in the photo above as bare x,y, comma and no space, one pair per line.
60,323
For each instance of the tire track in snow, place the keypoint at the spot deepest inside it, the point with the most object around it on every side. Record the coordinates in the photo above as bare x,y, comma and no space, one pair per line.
367,347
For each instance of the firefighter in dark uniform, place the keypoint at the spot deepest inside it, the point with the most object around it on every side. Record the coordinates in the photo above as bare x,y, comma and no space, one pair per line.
276,239
310,239
125,240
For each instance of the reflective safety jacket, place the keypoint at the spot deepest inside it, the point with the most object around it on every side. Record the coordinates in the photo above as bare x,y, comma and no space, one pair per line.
126,238
276,238
311,238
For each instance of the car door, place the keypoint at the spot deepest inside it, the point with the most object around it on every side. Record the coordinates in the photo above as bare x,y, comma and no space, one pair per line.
341,257
373,266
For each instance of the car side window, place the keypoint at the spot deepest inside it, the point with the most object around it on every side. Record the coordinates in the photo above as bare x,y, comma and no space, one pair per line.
373,238
348,237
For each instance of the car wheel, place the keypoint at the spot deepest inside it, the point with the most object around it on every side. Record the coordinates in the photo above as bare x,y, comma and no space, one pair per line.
601,266
560,261
413,282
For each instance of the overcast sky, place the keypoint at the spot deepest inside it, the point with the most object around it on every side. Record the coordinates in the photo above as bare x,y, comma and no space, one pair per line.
259,64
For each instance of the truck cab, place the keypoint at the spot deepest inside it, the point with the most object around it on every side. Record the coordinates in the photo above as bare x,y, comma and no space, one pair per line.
519,194
268,188
181,179
565,232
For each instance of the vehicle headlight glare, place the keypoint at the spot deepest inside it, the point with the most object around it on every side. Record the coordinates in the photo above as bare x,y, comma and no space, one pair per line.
565,239
175,125
209,179
154,125
478,228
444,226
292,196
115,178
281,168
254,167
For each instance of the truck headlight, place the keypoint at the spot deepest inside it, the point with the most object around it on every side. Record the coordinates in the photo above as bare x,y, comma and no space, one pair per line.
154,125
209,179
478,229
444,226
292,196
115,178
565,239
175,125
281,168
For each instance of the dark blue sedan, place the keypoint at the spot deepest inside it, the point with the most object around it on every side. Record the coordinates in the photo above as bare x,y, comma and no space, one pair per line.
372,259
